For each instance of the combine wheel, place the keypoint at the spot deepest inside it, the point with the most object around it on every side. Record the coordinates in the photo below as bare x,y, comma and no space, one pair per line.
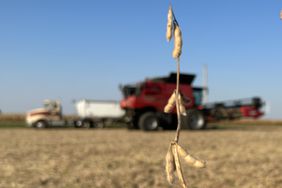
195,120
149,121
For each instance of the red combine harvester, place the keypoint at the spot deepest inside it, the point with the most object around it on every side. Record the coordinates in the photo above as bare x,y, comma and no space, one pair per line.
144,103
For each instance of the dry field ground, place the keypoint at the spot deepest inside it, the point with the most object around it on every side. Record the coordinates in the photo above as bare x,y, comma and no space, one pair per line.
248,157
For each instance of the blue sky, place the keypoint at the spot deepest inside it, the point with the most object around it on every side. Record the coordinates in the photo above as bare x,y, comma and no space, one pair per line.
84,49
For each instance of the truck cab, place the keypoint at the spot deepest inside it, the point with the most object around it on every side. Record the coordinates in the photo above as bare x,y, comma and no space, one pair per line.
49,115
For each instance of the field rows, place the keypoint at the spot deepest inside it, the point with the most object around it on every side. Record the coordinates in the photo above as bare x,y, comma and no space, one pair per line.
249,158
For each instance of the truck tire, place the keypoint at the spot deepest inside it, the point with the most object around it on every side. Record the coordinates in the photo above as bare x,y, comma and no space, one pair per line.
149,121
195,120
87,124
84,124
40,124
78,124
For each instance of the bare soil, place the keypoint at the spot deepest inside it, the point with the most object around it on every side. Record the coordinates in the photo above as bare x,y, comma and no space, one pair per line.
237,157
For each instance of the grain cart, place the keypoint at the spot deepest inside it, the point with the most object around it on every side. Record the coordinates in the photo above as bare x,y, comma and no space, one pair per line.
98,113
144,103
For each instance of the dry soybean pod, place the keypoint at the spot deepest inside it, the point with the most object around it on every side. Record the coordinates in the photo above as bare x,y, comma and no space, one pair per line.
170,103
170,165
189,159
177,42
181,105
169,27
178,165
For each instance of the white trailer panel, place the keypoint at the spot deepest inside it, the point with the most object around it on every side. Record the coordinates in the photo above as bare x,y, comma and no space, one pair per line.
99,109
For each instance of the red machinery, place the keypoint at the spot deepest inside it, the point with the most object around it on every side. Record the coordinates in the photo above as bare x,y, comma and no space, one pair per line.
144,103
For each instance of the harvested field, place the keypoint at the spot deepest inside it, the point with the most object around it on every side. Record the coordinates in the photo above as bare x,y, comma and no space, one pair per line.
244,157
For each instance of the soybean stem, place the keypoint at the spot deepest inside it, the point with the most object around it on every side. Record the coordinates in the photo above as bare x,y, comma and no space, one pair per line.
177,102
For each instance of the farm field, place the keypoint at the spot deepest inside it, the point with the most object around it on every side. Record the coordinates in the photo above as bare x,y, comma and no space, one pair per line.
245,157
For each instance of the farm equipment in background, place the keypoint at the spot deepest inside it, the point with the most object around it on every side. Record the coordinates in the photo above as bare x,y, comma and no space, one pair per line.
91,114
49,115
98,113
144,103
234,109
142,108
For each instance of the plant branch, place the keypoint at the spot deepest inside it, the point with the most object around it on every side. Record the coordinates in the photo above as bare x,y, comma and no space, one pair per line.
177,102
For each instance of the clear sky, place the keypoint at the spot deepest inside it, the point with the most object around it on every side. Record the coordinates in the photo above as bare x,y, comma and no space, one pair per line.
84,49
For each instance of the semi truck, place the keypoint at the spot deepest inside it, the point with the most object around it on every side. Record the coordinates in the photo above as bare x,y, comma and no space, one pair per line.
90,114
142,107
49,115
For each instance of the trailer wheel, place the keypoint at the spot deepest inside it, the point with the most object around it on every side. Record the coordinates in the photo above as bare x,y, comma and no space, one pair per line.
149,121
195,120
84,124
78,124
40,124
87,124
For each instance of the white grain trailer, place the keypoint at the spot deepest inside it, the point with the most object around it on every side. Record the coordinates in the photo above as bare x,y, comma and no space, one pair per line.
93,113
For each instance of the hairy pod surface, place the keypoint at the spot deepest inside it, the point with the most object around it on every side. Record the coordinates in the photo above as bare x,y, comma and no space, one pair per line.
178,165
170,165
189,159
181,105
170,103
169,26
177,42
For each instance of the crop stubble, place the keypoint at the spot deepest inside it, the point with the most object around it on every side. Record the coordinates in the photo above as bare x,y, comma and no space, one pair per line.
244,158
